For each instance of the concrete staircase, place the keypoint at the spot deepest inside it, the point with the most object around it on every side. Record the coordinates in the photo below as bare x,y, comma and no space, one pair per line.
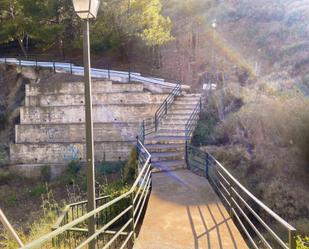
167,145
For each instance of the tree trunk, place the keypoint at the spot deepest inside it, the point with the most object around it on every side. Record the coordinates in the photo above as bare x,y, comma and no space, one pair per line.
22,46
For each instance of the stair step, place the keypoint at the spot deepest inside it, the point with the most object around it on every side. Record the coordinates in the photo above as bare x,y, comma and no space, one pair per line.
166,156
165,147
172,126
171,132
168,165
180,112
165,139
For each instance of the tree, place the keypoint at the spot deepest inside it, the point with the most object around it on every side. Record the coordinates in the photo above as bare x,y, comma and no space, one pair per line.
123,21
33,18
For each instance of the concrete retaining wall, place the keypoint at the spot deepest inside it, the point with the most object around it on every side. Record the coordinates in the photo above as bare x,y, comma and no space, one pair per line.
97,99
74,133
65,152
78,88
76,114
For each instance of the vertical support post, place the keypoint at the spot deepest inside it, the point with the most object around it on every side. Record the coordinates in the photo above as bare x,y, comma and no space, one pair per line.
207,166
231,199
108,72
89,134
132,216
54,66
19,62
186,154
36,62
71,68
292,239
129,72
156,123
144,131
5,60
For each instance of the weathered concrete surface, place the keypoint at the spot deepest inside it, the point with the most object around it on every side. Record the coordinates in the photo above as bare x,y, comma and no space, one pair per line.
72,133
183,213
78,88
62,153
97,99
76,114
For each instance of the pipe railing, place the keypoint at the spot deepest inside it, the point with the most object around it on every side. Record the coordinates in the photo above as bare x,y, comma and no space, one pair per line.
121,234
244,207
163,109
63,65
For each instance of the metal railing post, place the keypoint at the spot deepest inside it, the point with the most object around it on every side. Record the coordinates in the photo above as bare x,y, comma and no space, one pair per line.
19,62
129,72
132,216
292,239
71,68
36,62
54,66
108,72
143,131
186,154
231,199
5,60
207,166
156,123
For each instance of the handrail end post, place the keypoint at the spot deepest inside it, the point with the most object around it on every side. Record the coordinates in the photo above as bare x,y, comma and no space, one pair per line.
292,239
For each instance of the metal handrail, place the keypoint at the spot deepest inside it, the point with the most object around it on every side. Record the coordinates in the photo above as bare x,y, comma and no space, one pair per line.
193,119
72,211
143,179
163,109
57,64
234,195
10,229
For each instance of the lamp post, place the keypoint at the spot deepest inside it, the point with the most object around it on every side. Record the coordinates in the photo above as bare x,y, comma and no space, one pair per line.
88,9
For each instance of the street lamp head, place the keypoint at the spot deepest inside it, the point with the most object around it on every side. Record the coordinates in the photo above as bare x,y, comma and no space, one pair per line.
214,23
86,9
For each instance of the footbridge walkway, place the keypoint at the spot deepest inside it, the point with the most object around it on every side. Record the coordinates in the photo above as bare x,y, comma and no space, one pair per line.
182,198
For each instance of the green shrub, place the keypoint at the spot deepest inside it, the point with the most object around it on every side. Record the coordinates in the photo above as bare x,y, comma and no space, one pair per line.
38,190
73,167
302,242
4,119
46,173
107,168
3,156
202,134
130,169
5,176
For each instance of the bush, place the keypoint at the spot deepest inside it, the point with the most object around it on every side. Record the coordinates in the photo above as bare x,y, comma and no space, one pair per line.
107,168
73,167
202,134
38,190
4,119
302,242
46,173
5,176
130,169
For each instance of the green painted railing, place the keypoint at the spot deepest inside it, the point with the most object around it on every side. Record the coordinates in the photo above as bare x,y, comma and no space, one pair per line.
247,210
113,231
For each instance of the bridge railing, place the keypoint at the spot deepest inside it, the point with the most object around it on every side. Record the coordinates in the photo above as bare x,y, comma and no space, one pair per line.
163,109
114,231
249,212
